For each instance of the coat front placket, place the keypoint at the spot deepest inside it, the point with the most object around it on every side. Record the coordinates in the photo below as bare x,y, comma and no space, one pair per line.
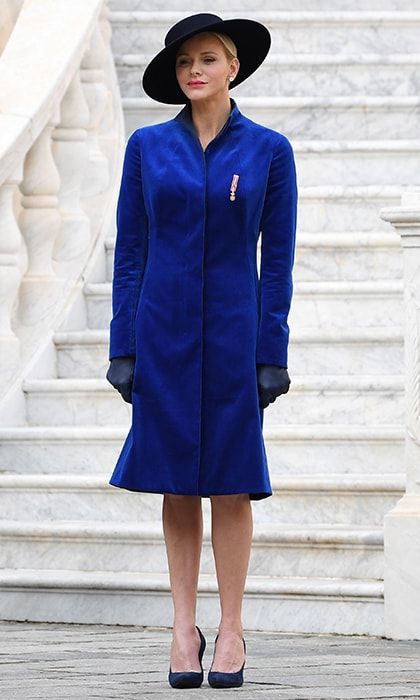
184,117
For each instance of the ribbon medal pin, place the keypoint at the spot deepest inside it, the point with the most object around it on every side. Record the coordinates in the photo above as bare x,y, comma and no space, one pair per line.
233,187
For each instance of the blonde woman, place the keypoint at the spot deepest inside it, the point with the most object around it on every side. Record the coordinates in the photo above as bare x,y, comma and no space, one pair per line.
198,342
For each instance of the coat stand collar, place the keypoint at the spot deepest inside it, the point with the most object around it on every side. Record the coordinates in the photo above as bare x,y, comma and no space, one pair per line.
185,118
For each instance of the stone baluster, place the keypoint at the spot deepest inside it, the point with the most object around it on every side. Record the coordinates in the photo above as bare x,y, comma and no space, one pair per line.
96,178
10,277
70,153
402,523
108,116
40,223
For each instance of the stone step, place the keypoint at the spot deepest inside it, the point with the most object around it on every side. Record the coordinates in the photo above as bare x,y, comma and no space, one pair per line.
323,303
98,304
331,399
341,117
346,350
346,256
315,303
82,354
219,6
58,449
325,399
291,449
345,499
307,449
291,550
373,350
347,208
291,31
71,401
332,256
361,162
290,604
300,74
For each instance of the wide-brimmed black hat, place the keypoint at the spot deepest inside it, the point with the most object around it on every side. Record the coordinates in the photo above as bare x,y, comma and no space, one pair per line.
252,40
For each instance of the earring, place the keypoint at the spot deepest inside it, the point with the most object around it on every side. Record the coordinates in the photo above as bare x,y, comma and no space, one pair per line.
231,77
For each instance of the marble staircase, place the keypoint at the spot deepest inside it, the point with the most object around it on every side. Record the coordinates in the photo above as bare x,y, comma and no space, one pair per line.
343,85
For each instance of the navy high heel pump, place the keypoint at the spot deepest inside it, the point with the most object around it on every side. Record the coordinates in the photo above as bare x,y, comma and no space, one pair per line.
189,679
218,679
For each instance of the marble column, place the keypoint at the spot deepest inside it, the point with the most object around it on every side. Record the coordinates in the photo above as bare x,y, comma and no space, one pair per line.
402,523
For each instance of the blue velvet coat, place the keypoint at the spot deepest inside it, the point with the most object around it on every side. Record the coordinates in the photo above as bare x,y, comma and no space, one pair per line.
189,306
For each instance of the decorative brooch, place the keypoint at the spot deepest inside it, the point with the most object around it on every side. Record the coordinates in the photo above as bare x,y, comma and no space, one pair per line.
233,187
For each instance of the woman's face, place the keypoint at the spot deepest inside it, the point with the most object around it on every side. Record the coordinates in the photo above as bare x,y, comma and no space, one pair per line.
202,67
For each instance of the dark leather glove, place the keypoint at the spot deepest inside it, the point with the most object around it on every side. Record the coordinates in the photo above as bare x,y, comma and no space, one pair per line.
272,381
120,374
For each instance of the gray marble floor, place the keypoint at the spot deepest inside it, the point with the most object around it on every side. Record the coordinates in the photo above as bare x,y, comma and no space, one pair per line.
60,661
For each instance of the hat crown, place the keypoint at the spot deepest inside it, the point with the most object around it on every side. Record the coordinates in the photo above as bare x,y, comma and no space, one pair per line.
191,24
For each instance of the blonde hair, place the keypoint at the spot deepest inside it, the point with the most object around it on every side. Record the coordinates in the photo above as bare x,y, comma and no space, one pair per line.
230,48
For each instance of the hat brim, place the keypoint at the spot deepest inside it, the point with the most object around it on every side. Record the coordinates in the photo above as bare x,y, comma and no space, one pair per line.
252,40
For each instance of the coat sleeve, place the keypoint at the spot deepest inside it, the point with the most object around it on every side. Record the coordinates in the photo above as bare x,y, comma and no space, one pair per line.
278,240
130,256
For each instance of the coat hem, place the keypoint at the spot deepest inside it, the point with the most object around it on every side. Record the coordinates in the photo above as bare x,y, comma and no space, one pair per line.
254,496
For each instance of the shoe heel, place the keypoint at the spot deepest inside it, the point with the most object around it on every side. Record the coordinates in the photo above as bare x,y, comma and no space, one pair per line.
189,679
218,679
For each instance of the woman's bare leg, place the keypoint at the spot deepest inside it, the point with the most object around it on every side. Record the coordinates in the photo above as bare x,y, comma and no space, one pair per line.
182,520
232,528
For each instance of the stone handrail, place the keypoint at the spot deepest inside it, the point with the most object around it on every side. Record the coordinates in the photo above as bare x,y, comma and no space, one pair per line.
61,137
9,10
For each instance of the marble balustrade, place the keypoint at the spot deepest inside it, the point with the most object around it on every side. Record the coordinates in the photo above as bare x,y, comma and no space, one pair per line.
61,132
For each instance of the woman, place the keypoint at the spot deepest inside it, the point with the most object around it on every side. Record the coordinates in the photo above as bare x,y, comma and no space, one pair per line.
198,343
